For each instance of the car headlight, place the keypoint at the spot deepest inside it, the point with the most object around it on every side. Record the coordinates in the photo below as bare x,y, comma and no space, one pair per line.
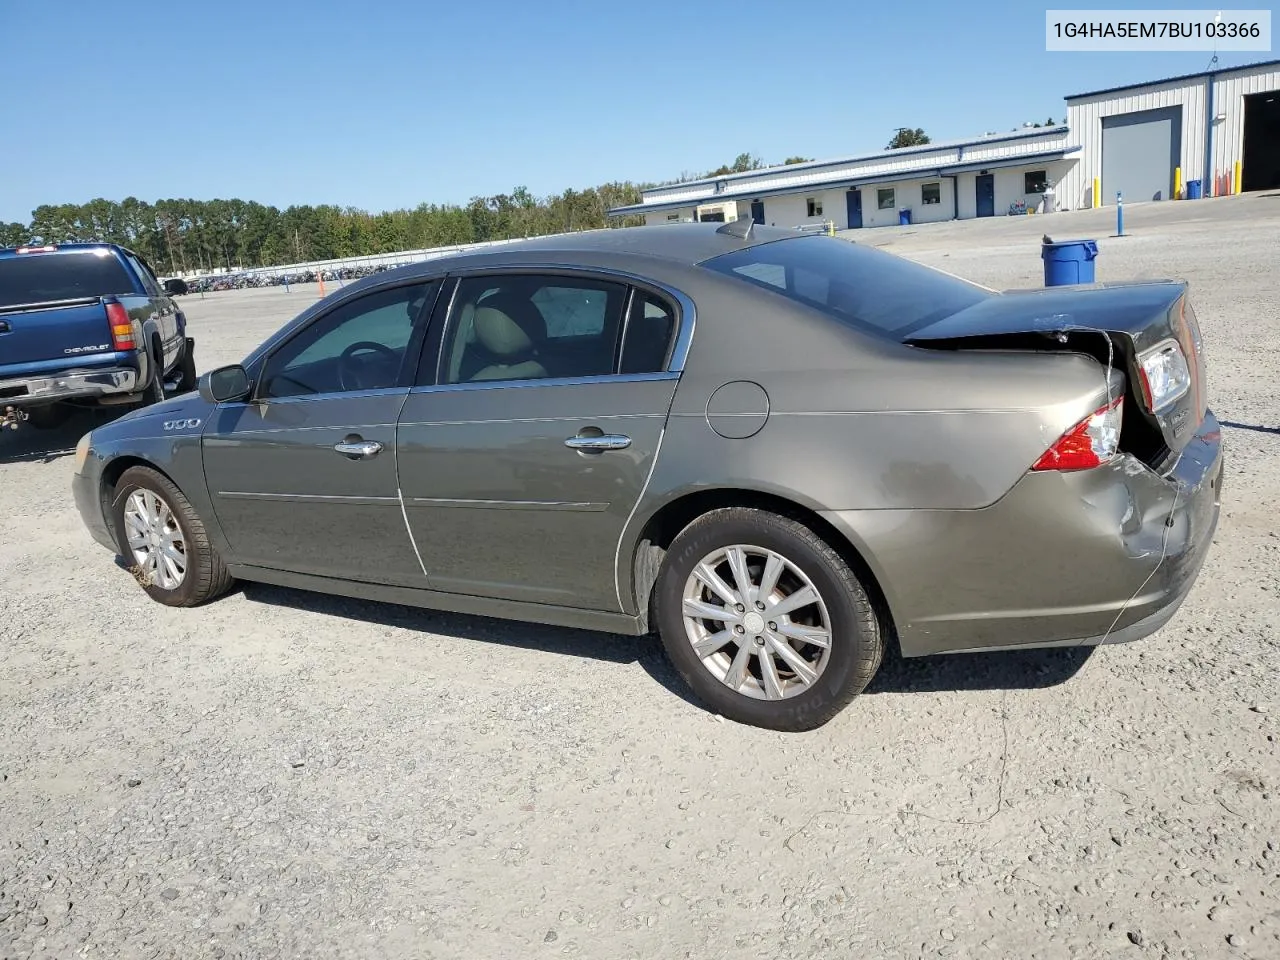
82,451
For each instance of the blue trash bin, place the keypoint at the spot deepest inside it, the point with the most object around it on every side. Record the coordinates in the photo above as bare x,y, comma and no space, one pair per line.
1193,189
904,217
1068,261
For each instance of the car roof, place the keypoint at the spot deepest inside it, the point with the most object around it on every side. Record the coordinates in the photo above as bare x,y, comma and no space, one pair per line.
39,249
683,243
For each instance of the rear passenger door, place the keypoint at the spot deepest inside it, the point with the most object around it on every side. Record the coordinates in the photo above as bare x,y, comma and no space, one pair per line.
525,449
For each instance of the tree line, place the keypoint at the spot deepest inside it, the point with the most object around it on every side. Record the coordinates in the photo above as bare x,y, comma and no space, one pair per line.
184,235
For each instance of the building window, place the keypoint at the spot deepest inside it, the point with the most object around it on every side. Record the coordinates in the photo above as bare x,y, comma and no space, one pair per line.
814,206
931,193
886,198
673,216
1035,182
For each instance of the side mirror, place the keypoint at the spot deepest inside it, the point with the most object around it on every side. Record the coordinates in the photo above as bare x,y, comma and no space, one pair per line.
175,286
224,384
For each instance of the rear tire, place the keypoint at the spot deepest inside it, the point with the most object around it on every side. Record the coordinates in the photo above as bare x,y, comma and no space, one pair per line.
187,380
768,655
165,542
50,417
153,392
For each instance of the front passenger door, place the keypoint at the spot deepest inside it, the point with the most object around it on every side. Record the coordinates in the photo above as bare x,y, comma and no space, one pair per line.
303,476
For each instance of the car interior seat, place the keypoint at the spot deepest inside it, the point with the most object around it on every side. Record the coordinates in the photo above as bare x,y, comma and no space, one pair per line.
510,330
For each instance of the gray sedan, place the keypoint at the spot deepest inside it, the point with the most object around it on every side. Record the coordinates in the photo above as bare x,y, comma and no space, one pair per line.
781,452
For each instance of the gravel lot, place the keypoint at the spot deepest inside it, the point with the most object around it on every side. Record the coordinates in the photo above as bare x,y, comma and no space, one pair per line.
282,774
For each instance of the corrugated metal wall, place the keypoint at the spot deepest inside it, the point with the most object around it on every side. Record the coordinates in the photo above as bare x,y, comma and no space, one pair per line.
1084,117
1229,94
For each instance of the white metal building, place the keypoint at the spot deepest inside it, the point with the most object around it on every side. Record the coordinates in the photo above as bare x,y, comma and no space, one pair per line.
942,181
1135,139
1146,141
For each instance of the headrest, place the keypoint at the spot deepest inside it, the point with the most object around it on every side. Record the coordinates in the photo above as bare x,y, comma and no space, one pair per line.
501,330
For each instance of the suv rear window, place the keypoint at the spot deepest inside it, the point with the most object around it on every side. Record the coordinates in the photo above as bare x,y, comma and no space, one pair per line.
45,277
862,287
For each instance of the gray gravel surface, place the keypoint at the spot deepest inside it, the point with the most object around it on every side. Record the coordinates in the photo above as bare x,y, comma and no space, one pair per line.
282,774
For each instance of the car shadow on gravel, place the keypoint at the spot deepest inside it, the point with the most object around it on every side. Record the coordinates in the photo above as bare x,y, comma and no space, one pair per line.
1013,670
28,444
1007,670
1248,426
612,648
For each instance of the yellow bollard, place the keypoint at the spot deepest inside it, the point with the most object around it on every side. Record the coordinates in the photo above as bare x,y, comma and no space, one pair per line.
1237,178
1097,193
1177,183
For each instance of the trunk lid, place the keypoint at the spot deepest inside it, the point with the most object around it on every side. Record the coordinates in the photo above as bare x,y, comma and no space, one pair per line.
1115,323
56,332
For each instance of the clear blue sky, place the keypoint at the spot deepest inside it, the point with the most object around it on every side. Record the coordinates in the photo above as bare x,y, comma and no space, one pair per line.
389,103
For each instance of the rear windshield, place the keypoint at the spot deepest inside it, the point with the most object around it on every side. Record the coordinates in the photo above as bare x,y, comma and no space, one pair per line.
860,286
44,277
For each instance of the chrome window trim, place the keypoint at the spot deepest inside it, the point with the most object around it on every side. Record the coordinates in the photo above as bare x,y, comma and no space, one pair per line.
316,397
545,382
688,312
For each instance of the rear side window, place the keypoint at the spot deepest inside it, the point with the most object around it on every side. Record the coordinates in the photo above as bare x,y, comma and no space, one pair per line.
864,288
45,277
651,327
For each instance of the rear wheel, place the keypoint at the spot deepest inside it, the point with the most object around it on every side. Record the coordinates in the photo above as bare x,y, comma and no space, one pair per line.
187,368
765,621
153,392
165,542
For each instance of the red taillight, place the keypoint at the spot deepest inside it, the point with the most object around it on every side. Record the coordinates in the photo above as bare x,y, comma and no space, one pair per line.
1093,441
121,327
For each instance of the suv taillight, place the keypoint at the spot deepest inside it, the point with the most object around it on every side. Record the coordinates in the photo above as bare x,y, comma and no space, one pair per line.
1093,441
121,327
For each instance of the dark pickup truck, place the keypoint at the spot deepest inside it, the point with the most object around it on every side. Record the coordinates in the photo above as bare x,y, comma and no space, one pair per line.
86,324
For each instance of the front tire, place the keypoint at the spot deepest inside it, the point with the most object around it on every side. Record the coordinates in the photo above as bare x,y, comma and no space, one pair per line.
765,621
165,542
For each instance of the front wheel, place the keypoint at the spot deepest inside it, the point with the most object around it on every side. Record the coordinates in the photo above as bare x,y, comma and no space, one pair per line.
165,542
765,621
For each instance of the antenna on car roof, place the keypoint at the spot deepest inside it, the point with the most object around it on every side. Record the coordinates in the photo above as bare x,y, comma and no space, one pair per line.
738,228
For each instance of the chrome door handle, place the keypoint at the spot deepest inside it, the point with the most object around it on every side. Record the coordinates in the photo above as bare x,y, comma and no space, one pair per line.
608,441
358,449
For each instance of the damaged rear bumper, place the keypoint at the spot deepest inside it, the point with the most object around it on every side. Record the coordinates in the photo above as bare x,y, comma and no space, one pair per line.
1064,559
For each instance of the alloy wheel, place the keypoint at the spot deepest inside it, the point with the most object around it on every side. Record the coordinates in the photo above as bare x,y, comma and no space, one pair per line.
756,622
156,541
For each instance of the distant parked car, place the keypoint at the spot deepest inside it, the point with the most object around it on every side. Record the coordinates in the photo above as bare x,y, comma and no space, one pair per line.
86,324
783,452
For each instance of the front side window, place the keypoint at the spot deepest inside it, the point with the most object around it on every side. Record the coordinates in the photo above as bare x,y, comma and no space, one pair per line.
930,193
860,286
532,328
886,199
361,345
